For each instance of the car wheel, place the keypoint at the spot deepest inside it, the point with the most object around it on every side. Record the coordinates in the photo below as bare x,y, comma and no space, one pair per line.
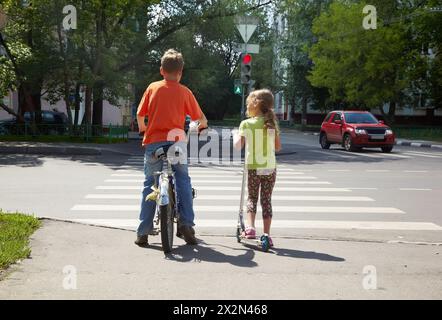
387,149
323,141
348,143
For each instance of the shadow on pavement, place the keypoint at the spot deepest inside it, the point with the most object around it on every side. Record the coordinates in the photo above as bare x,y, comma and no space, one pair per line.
204,253
306,255
23,161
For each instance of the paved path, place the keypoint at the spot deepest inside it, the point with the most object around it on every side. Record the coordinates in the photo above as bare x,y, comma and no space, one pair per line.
104,264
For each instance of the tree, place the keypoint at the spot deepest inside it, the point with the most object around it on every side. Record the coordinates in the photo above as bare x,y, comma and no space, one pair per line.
363,67
299,15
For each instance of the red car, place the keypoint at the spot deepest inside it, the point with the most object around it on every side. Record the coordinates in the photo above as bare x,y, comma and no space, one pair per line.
355,130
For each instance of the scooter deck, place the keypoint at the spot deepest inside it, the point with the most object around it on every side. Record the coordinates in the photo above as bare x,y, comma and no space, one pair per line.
254,242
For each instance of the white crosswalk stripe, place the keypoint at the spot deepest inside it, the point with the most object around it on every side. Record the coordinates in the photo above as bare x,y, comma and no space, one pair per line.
227,209
208,182
137,196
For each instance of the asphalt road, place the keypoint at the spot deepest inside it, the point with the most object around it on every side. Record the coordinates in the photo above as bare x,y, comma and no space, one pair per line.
322,193
362,225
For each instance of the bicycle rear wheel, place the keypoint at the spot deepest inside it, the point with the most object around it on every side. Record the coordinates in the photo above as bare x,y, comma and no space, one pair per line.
167,225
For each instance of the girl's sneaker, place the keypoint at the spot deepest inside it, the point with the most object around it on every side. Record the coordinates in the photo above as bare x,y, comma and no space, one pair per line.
250,233
270,242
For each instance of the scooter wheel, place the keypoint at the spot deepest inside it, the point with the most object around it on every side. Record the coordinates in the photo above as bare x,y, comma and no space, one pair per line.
238,235
265,243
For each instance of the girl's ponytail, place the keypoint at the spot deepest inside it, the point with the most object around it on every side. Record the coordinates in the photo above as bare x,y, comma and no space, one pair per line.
265,101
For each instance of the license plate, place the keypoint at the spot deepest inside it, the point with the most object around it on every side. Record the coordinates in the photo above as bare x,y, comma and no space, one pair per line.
377,137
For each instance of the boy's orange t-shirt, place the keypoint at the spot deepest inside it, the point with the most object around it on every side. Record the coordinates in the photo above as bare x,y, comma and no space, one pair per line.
166,104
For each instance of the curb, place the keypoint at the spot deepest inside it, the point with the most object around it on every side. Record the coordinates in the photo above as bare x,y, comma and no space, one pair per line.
418,144
49,150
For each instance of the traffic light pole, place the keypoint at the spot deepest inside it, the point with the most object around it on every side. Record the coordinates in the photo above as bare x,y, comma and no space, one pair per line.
243,105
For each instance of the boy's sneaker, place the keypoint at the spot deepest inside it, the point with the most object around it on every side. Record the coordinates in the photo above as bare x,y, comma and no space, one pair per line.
180,235
188,235
250,233
141,241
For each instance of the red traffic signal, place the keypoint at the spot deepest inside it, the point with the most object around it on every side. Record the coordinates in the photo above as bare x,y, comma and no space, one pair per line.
247,58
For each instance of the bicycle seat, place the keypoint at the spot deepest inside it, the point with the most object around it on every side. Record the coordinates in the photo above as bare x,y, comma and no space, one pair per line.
161,153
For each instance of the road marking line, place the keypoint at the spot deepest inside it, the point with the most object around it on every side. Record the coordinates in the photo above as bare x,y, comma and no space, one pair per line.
137,196
237,181
119,188
415,171
229,188
227,209
332,153
114,196
415,189
346,170
278,189
423,155
363,188
303,209
282,224
216,176
394,155
374,171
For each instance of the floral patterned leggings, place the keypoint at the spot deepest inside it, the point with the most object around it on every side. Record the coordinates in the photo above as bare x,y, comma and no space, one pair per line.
266,182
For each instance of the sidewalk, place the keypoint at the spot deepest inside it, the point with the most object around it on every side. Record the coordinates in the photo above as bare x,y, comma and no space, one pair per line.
104,263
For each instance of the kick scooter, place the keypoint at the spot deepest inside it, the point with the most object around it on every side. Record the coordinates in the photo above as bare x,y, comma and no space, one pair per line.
263,242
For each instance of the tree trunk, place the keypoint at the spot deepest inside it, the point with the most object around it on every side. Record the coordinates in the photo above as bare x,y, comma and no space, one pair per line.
77,104
97,115
87,107
304,114
392,112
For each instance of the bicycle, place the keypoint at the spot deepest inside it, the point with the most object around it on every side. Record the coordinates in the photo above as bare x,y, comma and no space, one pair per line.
165,195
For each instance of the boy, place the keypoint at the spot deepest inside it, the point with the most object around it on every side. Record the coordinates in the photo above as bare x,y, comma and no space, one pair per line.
166,104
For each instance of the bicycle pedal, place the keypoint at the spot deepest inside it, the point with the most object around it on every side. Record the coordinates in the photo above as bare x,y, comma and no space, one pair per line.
154,232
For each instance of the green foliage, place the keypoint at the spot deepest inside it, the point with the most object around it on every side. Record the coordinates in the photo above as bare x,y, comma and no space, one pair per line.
360,66
366,68
298,40
117,45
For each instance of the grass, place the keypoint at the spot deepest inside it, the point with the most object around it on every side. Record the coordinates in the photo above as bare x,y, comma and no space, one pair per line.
419,133
99,140
15,230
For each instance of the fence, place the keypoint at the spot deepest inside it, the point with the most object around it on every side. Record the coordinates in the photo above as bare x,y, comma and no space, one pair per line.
86,132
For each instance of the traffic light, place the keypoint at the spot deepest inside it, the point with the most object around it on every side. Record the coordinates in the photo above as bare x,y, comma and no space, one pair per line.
246,68
237,89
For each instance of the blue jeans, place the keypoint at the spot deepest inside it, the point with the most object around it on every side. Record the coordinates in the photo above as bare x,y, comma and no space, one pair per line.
183,188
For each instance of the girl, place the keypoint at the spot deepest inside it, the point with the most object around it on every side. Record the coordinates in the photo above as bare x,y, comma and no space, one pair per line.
260,135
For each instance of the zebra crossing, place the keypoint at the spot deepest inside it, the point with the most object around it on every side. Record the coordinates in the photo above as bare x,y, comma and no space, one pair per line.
298,193
398,154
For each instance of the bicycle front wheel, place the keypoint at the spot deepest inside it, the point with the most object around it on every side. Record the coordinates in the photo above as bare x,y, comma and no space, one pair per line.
167,227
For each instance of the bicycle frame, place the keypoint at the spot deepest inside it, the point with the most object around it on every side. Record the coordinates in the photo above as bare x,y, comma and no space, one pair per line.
165,181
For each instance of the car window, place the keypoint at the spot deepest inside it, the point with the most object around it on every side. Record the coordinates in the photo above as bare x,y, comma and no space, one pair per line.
48,117
328,117
360,118
337,117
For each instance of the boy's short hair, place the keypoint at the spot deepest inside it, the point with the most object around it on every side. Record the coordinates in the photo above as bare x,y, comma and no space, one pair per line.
172,61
